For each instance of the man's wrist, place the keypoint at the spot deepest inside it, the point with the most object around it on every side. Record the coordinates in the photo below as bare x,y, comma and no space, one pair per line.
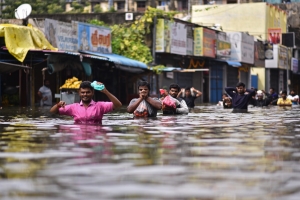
58,105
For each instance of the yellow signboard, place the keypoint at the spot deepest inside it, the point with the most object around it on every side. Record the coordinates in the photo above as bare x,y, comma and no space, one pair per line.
198,41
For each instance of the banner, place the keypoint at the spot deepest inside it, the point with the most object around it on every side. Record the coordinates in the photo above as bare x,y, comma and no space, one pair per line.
209,41
61,35
259,54
190,41
294,66
178,38
274,35
160,35
223,50
94,38
283,62
198,38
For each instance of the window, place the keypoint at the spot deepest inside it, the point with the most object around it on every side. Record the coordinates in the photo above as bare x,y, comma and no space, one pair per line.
120,6
141,5
164,3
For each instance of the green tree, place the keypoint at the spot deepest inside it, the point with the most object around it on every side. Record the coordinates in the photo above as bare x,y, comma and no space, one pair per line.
97,9
38,7
129,39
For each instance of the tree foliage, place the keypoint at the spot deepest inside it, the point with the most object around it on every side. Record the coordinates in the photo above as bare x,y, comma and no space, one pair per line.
38,7
129,39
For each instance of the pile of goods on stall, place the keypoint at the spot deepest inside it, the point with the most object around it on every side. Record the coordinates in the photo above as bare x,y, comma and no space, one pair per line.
71,83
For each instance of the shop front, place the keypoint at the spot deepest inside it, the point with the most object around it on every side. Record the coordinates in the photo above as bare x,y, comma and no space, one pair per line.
258,71
277,67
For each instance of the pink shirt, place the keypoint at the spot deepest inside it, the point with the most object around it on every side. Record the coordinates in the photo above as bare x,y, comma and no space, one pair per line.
93,114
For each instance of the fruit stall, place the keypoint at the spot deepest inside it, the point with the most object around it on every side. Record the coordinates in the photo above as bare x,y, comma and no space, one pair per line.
69,91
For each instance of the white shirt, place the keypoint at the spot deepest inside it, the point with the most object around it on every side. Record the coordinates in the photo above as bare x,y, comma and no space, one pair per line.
46,92
292,98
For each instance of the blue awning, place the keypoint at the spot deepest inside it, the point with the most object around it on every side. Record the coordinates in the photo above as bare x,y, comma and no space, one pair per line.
121,60
234,63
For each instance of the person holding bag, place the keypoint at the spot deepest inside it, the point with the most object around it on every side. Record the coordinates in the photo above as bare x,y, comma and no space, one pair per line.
144,106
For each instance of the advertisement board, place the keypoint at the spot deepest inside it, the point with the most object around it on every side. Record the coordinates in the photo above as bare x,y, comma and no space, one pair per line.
190,41
209,42
61,35
242,47
178,38
160,35
294,65
94,38
259,54
198,38
283,61
274,35
223,50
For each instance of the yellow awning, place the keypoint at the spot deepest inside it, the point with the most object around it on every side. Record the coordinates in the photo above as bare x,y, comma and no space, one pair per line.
20,39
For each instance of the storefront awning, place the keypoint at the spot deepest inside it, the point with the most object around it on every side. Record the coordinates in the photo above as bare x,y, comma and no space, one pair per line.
234,63
117,59
9,67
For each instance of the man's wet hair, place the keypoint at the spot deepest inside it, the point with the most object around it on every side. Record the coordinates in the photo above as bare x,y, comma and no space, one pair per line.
272,88
144,83
292,90
225,94
86,85
284,92
188,88
174,85
239,84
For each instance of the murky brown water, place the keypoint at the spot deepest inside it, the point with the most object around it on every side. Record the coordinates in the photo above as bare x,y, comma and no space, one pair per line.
210,154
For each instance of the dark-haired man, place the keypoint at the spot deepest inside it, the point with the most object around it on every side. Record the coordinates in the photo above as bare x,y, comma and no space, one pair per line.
152,104
181,107
189,95
87,111
45,94
240,97
272,96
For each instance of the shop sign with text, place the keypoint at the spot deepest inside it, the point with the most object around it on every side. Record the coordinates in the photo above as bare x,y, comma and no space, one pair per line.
178,38
163,41
204,44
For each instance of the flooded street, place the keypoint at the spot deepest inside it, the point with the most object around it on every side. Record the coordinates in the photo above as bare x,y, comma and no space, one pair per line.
209,154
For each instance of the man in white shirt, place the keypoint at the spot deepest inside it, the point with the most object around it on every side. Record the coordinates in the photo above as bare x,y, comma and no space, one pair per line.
45,94
293,97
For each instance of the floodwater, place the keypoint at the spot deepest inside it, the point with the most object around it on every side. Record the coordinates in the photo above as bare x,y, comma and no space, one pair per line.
209,154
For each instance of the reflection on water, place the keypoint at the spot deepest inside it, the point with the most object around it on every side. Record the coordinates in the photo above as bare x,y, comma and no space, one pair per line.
210,154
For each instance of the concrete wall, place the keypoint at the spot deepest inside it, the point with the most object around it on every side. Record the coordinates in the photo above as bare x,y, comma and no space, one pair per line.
254,18
109,18
260,72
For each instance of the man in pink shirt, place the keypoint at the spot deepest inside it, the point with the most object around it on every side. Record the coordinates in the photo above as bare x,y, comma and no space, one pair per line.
87,111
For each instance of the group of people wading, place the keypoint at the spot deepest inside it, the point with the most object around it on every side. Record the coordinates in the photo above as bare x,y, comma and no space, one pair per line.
173,101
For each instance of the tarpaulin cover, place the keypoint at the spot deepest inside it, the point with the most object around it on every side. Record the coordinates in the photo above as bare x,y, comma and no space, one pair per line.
20,39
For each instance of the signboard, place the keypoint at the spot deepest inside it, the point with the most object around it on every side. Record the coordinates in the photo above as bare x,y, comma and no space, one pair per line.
178,38
274,35
294,65
259,54
223,50
209,41
283,62
190,41
61,35
269,51
160,35
242,47
94,38
198,38
205,40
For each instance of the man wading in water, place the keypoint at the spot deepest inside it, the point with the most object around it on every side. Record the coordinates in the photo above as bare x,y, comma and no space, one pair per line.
240,97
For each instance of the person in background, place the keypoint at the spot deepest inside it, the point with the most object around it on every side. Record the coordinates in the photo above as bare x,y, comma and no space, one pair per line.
189,94
240,97
45,94
293,97
163,93
261,101
181,107
87,111
226,101
272,96
253,99
284,101
151,103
